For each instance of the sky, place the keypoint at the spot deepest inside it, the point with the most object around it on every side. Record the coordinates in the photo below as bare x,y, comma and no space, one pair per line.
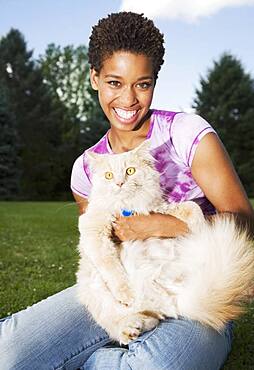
197,33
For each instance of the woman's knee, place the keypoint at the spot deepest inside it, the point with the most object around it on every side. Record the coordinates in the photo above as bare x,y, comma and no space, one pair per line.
14,353
181,344
174,345
49,333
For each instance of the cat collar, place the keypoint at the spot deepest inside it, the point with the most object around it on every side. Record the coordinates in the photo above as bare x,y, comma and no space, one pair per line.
126,212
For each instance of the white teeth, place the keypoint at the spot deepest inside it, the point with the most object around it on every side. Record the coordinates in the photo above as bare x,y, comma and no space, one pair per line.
126,114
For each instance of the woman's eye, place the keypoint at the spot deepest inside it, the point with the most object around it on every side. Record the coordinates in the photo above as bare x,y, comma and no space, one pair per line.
114,83
144,85
108,175
130,171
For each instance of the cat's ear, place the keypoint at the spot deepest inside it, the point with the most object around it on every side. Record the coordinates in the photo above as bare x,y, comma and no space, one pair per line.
143,148
143,151
93,159
91,156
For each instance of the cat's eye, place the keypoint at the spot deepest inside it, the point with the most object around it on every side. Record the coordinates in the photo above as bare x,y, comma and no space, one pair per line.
109,175
130,171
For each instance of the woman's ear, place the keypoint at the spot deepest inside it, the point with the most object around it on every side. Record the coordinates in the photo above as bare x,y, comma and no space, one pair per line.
94,78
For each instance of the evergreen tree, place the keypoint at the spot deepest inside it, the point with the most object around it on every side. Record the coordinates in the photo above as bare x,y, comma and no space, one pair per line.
9,173
226,100
38,120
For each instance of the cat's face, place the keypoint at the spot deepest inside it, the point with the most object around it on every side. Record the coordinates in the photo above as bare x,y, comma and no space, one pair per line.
123,174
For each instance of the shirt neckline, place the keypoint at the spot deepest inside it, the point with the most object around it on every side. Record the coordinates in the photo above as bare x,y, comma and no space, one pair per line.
148,135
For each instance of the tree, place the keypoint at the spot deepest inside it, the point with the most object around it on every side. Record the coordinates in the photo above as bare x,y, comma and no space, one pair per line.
9,161
226,99
56,112
66,72
38,121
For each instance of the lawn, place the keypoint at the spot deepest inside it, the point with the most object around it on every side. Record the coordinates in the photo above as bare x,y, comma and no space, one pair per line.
38,254
38,257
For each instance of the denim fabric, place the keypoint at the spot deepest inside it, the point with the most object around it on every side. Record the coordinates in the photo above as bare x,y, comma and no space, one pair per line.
58,334
173,345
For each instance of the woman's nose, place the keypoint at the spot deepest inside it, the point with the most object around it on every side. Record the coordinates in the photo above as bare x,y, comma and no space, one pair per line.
128,97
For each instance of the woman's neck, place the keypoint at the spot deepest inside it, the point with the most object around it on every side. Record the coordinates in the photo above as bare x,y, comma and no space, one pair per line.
121,141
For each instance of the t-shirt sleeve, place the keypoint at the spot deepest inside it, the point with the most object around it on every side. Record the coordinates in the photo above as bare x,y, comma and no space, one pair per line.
80,182
186,132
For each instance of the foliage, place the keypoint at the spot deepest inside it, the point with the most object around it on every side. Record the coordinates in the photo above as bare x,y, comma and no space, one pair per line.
9,160
38,121
66,72
226,100
57,114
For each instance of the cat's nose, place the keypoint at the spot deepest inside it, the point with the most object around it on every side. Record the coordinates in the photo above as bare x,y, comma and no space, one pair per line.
119,183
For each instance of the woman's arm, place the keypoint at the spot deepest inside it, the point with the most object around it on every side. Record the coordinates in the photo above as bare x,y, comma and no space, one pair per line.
141,227
153,225
81,203
214,173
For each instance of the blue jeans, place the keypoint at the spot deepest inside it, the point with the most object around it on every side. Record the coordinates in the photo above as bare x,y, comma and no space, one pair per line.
58,334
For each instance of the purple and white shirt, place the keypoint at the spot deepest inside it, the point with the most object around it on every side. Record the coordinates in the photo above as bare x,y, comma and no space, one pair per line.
174,138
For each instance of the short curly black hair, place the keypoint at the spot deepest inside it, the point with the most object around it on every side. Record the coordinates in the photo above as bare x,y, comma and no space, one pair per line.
125,31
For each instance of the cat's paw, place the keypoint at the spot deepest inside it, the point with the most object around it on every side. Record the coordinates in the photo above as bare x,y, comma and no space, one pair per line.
189,212
130,327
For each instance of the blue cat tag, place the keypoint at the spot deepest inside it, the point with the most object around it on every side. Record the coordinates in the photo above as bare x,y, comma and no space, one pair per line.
126,212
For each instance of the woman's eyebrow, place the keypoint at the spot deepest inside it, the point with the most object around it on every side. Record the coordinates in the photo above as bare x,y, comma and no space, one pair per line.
113,76
139,79
145,78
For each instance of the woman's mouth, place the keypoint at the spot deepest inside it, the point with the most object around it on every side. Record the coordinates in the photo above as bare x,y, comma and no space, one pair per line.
126,116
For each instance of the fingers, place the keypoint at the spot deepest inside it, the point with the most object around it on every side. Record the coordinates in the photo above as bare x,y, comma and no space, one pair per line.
121,222
121,228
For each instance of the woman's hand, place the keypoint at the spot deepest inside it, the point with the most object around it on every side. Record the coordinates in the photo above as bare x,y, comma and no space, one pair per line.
144,227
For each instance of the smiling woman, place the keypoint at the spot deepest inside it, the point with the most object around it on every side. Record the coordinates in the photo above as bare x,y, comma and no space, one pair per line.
125,54
125,94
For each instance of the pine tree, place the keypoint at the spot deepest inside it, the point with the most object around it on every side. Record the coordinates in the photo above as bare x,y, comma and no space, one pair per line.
38,119
9,169
226,100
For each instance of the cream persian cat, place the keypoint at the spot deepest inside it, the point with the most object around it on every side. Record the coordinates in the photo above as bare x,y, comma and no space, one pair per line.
129,287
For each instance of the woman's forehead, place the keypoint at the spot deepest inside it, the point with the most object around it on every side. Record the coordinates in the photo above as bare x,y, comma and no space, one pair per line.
125,64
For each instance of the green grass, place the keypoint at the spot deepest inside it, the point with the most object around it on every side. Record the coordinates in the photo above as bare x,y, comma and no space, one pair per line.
38,258
38,255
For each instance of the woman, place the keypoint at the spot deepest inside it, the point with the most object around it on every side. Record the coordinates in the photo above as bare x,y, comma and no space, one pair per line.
126,53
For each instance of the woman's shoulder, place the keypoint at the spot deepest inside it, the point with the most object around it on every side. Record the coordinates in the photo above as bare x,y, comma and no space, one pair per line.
179,123
101,147
163,116
181,131
166,116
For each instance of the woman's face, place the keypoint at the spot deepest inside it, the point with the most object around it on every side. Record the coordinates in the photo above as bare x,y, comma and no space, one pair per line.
125,87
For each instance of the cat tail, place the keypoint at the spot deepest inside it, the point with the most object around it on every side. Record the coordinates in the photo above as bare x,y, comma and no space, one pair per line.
219,261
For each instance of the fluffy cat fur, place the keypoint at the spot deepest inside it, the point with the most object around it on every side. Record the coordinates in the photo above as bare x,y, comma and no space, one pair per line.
129,287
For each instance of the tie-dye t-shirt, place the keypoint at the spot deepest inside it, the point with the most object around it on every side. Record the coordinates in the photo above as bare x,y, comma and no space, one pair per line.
174,137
